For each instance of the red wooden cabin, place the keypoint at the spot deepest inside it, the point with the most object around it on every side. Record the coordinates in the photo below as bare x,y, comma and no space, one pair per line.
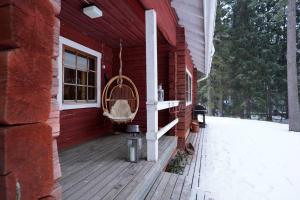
50,100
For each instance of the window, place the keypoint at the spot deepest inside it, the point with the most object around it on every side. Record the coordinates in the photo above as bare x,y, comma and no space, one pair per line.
188,87
79,76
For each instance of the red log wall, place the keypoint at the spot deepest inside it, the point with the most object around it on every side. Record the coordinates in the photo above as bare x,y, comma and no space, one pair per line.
28,40
183,62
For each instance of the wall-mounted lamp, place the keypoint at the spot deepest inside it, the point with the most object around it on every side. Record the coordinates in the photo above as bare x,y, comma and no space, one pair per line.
92,11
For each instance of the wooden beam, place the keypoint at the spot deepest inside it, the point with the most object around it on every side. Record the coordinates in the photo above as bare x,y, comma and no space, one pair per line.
152,98
166,18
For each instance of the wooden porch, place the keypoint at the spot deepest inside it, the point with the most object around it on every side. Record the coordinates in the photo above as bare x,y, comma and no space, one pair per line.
185,186
98,170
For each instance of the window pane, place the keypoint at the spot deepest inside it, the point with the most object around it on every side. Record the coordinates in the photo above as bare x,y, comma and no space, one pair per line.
92,93
69,92
92,79
82,63
190,88
81,93
70,59
92,64
70,76
81,78
190,84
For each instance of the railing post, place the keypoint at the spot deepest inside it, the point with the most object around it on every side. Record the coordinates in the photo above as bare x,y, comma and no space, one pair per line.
151,73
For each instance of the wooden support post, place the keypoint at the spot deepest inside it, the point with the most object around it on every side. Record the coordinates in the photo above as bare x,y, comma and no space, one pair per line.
151,71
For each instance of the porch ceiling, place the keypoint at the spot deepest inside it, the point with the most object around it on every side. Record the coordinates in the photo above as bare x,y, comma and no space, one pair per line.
121,19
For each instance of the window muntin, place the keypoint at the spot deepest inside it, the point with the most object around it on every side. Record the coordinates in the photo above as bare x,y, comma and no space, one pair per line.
188,88
79,77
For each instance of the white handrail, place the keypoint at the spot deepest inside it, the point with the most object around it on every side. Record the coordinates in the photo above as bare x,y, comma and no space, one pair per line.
166,128
161,105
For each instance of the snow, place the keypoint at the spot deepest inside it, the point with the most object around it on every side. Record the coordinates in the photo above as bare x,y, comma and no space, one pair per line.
250,160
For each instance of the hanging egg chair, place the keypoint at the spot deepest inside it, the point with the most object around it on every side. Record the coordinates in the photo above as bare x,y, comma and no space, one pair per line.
120,97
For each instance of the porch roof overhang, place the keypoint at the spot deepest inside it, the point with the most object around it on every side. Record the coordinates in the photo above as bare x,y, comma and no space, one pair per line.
122,19
198,19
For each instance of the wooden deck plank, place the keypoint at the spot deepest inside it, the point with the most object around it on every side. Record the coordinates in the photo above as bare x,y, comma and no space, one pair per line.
181,187
178,188
141,184
186,190
84,186
170,187
87,162
98,170
91,150
161,187
124,194
91,189
154,187
189,183
196,174
196,192
134,183
111,190
70,154
82,175
193,140
194,161
164,154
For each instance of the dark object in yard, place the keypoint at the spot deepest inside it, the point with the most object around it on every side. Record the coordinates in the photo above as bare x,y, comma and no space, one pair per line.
189,148
200,110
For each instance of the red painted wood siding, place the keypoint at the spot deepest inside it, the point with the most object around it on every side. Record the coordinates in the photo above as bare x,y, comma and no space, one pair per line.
80,125
184,62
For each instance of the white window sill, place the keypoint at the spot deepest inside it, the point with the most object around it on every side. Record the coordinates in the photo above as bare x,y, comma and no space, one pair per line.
79,106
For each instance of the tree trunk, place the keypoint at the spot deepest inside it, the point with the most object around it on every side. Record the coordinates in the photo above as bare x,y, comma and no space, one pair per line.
248,108
221,104
268,104
293,98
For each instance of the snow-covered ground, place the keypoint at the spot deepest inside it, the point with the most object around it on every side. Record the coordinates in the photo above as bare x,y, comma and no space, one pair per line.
250,160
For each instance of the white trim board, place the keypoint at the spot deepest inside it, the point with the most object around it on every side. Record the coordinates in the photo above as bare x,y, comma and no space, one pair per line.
75,45
187,103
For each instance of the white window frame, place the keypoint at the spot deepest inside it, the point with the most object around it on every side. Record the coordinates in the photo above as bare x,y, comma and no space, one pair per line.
75,45
187,102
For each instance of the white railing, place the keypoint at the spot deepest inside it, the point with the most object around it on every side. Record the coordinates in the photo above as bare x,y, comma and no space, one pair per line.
166,128
161,105
153,105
